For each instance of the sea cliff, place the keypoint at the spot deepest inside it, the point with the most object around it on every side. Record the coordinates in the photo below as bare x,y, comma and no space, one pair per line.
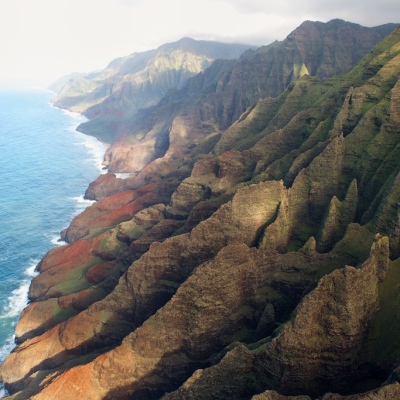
253,250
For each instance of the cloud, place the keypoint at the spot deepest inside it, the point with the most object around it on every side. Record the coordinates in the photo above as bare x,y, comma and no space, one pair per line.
45,39
370,13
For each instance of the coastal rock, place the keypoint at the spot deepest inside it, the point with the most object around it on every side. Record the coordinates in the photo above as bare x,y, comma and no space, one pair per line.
207,313
19,362
160,232
73,282
268,72
266,251
103,186
153,279
133,157
60,265
112,210
36,318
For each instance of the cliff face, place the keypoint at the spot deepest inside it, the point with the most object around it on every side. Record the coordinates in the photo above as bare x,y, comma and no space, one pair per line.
258,261
112,98
214,100
139,80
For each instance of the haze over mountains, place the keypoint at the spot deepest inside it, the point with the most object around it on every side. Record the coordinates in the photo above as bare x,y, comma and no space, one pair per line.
141,80
253,251
137,81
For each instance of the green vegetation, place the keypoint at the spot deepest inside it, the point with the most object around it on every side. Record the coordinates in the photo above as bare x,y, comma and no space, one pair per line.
75,280
334,142
61,314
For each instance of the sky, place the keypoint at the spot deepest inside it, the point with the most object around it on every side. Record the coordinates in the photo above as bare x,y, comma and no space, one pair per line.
42,40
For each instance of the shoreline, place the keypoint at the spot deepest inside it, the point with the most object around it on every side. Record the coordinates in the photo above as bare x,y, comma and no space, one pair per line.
18,299
75,114
93,146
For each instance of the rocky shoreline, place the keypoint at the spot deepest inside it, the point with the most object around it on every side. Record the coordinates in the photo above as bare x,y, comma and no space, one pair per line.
254,261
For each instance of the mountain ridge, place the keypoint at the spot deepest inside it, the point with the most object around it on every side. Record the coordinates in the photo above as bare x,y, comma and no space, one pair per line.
262,262
235,86
140,79
108,118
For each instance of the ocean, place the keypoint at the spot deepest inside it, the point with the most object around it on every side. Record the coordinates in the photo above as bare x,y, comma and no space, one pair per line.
45,168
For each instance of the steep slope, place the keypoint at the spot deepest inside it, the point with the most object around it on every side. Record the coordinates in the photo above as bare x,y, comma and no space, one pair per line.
138,81
212,101
270,254
112,97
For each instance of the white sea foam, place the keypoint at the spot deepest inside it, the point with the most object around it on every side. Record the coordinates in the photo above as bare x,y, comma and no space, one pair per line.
94,147
81,204
16,303
122,175
50,125
19,296
72,114
75,115
84,202
7,347
56,240
3,391
31,271
4,352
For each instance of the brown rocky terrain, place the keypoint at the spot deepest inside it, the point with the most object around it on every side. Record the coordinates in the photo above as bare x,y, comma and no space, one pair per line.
256,258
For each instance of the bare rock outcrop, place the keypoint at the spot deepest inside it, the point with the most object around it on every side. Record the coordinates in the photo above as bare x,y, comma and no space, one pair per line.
150,281
317,351
258,259
110,211
337,218
223,300
390,391
331,323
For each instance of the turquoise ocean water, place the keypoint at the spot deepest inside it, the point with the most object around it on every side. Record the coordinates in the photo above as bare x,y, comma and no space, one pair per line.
45,168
